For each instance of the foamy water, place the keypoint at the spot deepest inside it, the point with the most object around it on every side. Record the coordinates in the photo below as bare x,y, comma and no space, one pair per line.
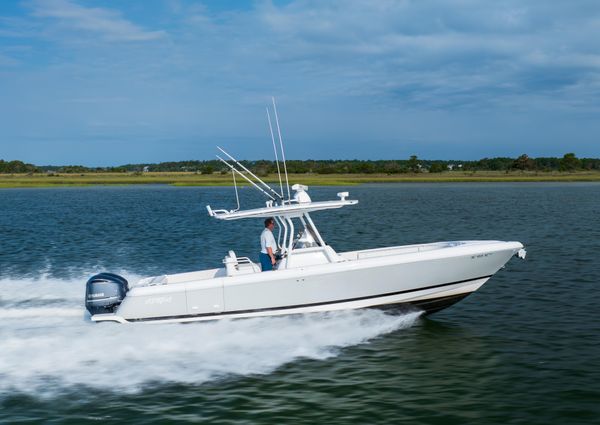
47,343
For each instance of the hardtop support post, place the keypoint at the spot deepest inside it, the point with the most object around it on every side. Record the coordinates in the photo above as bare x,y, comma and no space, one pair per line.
280,225
285,232
290,240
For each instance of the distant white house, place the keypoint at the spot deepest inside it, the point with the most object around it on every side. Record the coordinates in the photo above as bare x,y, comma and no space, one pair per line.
146,169
452,166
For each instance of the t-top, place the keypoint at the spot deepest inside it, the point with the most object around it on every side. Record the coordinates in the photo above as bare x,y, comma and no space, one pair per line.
267,240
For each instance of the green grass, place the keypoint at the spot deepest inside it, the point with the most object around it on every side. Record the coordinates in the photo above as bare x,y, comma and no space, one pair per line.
193,179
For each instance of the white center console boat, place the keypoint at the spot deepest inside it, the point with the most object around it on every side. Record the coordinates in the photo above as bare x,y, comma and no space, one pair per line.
310,276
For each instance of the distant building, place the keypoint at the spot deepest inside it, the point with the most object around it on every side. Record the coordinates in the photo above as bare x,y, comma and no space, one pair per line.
146,169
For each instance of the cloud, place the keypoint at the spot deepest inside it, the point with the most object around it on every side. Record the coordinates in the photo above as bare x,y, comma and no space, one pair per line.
107,23
422,54
436,54
342,70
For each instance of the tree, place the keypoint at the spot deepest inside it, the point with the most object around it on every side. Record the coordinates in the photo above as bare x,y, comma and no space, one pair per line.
73,169
413,164
17,167
261,171
547,163
207,169
569,162
392,167
523,163
436,167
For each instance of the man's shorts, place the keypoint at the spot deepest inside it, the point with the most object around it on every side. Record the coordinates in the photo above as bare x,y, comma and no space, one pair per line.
265,262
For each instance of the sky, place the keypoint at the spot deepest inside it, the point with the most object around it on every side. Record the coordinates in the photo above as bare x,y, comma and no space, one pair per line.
102,83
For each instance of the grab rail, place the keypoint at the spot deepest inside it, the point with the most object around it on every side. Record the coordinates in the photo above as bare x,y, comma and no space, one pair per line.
245,260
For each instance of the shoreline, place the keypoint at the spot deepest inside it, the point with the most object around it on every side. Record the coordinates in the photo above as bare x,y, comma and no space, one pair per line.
12,181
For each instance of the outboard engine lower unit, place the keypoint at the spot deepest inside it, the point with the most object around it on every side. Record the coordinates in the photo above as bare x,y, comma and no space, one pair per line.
104,292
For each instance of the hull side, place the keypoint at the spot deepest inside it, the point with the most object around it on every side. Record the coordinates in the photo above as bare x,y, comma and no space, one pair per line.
429,300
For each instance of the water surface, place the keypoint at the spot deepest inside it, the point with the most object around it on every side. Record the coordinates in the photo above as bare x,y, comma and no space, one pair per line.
523,349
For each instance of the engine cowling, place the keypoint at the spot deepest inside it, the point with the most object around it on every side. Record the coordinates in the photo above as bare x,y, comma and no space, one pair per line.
104,292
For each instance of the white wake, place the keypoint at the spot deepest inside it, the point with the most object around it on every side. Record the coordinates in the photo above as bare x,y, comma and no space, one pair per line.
46,345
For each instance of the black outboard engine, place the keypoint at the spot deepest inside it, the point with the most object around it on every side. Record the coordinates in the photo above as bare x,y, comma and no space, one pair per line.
104,292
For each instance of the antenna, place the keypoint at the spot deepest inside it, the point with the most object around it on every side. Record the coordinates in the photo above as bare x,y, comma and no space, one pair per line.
251,173
282,151
246,178
275,150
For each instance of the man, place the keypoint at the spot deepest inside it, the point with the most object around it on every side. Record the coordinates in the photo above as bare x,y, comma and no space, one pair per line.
268,246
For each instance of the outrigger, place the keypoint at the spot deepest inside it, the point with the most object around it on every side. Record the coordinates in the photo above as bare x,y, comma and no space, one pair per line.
310,276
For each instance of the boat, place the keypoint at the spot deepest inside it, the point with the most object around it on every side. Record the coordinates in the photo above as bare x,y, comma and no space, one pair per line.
309,275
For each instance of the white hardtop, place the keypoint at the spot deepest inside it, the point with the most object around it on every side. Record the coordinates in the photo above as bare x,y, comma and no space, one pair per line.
291,209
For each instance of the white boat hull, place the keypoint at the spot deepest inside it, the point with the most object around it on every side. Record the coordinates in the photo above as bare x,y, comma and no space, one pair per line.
430,276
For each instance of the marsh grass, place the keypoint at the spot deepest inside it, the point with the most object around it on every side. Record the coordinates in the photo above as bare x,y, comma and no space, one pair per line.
194,179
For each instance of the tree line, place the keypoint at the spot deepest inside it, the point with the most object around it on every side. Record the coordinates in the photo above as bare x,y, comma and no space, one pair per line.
568,163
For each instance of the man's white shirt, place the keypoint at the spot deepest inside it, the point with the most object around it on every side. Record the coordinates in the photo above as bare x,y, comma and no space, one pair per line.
267,240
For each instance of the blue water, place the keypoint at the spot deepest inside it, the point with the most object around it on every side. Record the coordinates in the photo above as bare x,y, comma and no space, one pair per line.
523,349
